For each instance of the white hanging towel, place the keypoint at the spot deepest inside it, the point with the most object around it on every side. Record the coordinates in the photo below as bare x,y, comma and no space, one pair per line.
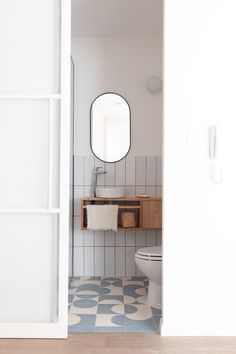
102,217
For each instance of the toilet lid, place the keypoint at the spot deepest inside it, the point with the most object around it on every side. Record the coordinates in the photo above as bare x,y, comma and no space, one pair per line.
150,253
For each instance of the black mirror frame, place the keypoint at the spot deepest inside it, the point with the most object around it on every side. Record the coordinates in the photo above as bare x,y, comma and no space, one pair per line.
91,106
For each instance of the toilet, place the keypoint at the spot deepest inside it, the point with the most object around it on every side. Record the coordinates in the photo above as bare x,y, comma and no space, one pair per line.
149,262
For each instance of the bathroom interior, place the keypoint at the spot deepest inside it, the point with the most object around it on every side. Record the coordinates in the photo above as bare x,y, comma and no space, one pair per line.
115,252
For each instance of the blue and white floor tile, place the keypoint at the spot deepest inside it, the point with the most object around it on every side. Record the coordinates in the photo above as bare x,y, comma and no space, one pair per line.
100,304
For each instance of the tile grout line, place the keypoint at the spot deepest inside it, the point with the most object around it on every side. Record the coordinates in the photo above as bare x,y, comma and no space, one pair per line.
125,231
146,193
94,270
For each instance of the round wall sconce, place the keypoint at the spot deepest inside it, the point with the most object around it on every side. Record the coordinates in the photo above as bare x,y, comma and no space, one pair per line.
154,84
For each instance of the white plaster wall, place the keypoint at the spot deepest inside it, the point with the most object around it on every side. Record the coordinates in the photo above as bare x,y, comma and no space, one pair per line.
122,65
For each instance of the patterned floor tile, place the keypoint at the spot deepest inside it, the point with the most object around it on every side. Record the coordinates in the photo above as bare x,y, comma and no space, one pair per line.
111,290
83,310
144,324
138,278
142,312
131,289
85,303
72,291
110,309
73,319
129,299
111,299
106,329
131,282
86,295
110,320
156,311
128,309
141,300
74,283
70,298
110,304
88,288
86,324
115,282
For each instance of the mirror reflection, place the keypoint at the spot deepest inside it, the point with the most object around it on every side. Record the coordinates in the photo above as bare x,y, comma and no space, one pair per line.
110,127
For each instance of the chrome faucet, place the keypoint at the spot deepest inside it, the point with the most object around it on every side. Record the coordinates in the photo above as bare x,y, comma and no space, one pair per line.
97,171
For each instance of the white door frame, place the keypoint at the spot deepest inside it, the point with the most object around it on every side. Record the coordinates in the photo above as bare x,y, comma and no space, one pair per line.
57,329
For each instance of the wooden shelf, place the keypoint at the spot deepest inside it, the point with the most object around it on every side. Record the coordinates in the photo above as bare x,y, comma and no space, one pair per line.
123,206
132,199
148,211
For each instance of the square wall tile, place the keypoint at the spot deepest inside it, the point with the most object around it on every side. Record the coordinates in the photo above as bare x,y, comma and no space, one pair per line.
110,175
159,237
120,173
89,238
130,238
78,261
120,261
120,238
130,171
89,165
130,261
151,171
70,261
141,190
99,238
71,218
140,170
159,171
78,194
130,191
101,178
109,238
109,261
159,191
140,238
138,273
151,238
99,261
88,191
151,191
89,261
78,234
79,170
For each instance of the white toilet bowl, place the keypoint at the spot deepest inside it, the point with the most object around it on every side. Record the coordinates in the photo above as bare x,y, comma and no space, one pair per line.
149,262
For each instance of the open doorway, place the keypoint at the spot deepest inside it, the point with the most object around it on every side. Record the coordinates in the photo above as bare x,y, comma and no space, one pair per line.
117,47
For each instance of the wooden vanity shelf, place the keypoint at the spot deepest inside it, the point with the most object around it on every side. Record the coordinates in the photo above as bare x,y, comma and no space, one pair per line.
147,212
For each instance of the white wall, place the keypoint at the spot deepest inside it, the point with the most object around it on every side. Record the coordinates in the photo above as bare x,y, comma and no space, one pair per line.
122,65
199,215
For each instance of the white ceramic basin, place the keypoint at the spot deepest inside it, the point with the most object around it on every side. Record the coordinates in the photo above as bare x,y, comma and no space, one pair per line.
109,192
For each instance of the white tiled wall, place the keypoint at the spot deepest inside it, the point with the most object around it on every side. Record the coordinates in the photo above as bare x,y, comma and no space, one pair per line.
112,253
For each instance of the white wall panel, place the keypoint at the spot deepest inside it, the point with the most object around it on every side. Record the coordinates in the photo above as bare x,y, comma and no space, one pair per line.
199,214
28,268
24,146
30,46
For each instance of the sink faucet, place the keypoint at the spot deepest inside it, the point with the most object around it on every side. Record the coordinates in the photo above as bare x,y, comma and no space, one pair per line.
97,171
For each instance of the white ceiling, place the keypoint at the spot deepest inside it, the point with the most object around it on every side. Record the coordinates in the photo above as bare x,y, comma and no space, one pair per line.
116,17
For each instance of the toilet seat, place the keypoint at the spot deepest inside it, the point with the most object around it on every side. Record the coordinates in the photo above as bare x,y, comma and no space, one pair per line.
150,253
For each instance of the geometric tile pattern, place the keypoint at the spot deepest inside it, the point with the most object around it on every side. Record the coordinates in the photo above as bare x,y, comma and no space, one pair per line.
109,304
108,253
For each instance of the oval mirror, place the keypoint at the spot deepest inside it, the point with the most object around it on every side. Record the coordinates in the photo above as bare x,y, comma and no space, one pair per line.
110,127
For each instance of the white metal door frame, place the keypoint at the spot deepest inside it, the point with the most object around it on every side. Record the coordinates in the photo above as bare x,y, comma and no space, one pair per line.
54,329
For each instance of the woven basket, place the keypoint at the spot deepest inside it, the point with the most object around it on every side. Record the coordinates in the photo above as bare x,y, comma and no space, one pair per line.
128,219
